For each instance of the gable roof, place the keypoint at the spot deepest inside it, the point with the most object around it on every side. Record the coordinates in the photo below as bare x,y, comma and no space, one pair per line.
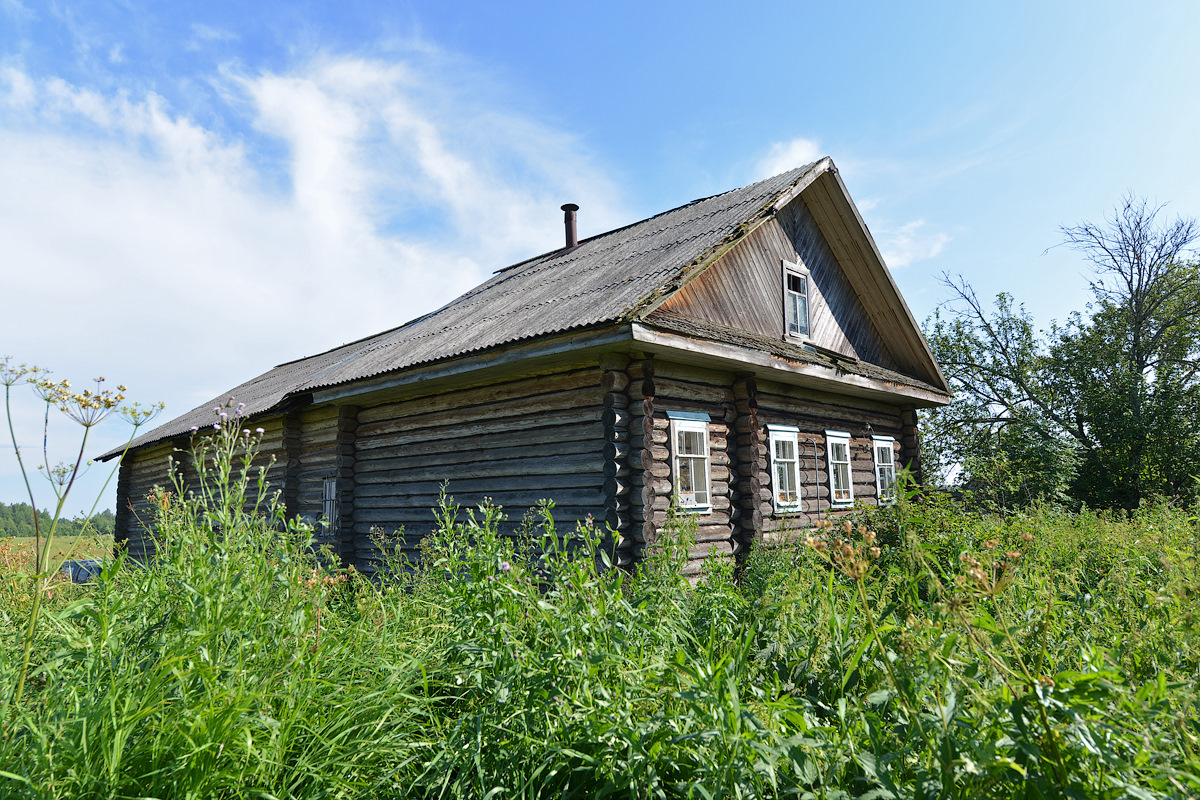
614,277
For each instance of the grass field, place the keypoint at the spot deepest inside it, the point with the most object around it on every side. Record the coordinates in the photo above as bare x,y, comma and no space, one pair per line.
17,553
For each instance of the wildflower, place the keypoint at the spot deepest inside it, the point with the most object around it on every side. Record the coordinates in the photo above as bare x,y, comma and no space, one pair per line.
874,551
505,566
259,431
194,429
1026,537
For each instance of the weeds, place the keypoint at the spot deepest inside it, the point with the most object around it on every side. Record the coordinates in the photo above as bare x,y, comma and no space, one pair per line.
916,652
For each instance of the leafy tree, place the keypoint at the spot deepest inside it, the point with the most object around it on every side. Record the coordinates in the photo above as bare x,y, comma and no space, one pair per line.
1104,409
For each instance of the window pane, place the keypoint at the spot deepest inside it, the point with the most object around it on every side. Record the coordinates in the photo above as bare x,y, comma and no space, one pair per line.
785,484
802,314
691,443
841,481
839,451
883,453
687,476
887,483
785,449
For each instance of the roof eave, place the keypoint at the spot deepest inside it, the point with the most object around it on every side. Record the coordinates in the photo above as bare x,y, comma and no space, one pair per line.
529,353
728,356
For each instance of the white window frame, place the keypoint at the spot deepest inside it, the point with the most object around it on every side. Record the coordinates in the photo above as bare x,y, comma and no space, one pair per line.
687,501
833,438
785,433
798,271
884,444
329,503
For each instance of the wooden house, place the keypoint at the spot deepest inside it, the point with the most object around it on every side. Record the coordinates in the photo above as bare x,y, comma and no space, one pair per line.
748,353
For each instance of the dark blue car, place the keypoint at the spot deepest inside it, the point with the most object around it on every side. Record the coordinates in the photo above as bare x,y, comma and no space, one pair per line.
84,570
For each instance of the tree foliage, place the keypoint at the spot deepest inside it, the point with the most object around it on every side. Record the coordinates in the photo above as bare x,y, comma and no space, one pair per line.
16,519
1103,409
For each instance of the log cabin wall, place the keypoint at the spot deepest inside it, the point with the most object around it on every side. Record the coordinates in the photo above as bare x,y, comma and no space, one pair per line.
813,414
516,441
317,460
144,469
662,387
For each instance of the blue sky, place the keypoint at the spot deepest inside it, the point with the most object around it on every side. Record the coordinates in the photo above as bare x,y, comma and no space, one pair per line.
191,193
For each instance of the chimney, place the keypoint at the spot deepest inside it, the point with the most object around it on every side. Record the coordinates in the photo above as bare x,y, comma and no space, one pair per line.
569,222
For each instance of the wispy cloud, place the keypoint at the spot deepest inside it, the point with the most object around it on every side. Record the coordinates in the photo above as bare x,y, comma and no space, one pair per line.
909,243
207,34
783,156
184,259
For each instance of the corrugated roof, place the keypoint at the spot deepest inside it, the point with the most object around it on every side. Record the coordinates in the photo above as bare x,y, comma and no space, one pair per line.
601,281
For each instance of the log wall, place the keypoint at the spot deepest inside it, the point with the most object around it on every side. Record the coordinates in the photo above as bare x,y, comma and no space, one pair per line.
661,386
517,442
593,438
171,466
778,404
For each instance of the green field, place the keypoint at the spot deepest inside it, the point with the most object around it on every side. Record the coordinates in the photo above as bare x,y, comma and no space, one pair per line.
17,553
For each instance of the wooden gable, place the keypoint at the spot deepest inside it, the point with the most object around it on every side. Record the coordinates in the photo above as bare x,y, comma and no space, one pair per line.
851,311
744,289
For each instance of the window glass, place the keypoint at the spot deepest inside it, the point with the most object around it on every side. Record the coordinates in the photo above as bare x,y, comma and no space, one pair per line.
796,304
885,468
329,503
691,464
785,468
841,483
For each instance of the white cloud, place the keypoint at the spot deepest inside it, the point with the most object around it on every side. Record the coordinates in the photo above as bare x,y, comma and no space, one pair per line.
909,243
182,261
116,54
205,34
783,156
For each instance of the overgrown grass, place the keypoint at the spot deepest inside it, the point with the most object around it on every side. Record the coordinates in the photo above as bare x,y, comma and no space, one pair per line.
927,653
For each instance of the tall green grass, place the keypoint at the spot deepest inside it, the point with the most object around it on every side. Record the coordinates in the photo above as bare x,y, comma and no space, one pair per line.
926,652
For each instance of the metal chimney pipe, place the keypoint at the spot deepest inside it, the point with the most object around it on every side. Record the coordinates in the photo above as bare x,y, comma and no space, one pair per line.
569,221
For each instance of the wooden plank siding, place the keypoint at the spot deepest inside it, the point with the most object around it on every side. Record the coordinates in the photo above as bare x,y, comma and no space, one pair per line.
744,289
517,442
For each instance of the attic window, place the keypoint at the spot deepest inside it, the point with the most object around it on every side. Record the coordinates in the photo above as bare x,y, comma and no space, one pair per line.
795,300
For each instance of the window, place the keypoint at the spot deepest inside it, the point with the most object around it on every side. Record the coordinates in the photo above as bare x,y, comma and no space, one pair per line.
329,504
689,460
885,467
795,300
841,483
785,467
